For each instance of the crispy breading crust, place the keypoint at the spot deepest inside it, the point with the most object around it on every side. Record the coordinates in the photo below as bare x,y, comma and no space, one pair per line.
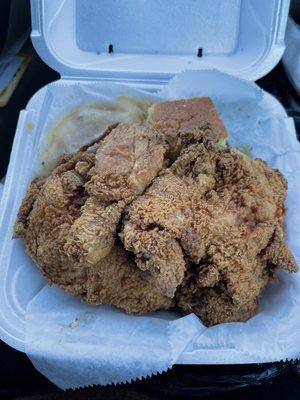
117,281
226,212
205,233
69,220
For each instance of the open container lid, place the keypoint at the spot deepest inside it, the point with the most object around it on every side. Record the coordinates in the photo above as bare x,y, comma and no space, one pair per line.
147,41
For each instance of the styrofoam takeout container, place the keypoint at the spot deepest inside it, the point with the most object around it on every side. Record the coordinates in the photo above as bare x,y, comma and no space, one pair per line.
152,40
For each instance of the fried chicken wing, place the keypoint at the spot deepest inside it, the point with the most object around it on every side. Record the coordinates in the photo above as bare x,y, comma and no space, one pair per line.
226,212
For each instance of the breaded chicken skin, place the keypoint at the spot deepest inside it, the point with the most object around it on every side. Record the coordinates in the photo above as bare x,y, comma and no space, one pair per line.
69,219
117,281
126,162
163,214
225,212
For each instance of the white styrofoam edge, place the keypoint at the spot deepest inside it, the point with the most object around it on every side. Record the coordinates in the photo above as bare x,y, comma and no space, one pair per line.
12,176
264,65
291,56
34,104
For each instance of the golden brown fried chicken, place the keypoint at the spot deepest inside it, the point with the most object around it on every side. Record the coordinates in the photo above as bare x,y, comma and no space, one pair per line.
157,220
88,192
117,281
158,254
225,212
205,232
69,219
48,211
126,162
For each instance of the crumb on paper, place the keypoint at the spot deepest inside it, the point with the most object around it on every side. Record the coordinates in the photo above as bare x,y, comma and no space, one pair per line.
29,126
74,323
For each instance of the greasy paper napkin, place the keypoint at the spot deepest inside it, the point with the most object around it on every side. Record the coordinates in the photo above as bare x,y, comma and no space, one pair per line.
75,345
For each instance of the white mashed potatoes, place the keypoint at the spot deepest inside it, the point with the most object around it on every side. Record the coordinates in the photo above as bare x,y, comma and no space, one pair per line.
86,123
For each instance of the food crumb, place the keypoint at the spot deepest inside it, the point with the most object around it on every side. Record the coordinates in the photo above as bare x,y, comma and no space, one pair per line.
74,323
29,126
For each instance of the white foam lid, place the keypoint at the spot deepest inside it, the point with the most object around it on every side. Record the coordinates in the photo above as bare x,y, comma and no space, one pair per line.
155,39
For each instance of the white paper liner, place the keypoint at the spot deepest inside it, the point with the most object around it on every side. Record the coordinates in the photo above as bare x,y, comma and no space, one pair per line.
111,347
82,345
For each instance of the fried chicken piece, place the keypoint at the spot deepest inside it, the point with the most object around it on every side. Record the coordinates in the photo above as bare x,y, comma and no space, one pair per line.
156,220
226,212
92,235
127,161
175,118
208,230
69,220
90,191
242,238
47,213
117,281
158,254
